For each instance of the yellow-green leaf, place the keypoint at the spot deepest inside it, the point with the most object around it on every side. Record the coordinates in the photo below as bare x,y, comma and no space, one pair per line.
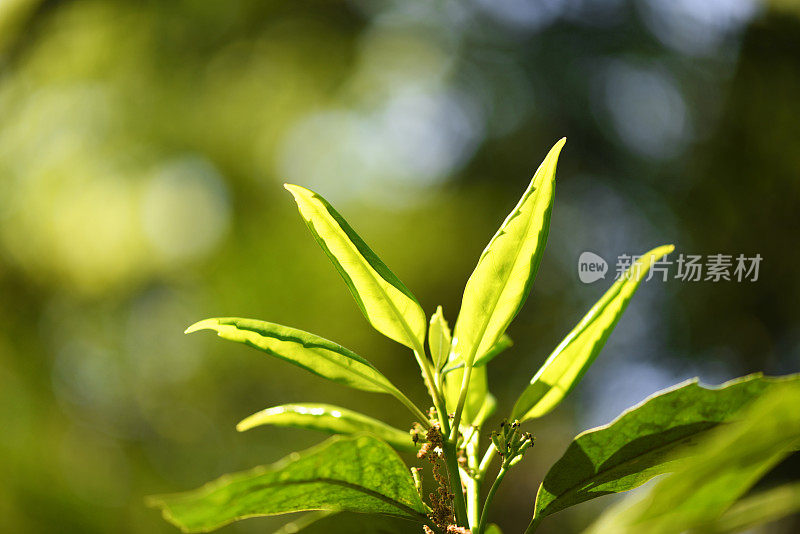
357,474
439,338
328,418
313,353
386,303
565,367
498,287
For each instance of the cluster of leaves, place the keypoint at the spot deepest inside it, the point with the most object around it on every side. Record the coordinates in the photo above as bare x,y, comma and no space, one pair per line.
717,442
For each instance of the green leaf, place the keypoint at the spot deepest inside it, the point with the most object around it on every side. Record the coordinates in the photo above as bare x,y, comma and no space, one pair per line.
503,344
328,418
725,467
356,474
493,529
565,367
498,287
439,338
646,440
350,523
386,303
763,507
313,353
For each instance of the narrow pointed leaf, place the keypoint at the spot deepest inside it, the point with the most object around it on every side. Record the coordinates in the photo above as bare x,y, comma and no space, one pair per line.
565,367
328,418
313,353
386,303
350,523
356,474
439,338
647,440
725,466
498,287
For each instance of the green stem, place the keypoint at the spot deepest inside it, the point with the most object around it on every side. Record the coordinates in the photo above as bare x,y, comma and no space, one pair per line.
473,484
433,391
486,461
459,504
451,458
462,398
488,503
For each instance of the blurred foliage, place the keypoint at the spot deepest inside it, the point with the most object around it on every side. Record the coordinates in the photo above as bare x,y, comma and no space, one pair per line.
142,148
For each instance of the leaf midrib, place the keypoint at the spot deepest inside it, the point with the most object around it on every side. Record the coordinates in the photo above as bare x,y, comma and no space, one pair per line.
389,388
375,276
485,324
350,485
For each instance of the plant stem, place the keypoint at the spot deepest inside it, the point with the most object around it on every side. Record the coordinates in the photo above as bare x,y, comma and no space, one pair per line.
488,503
459,504
451,458
462,398
433,391
486,461
473,484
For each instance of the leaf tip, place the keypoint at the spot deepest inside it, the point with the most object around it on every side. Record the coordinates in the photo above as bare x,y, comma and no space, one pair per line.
205,324
556,150
296,190
663,250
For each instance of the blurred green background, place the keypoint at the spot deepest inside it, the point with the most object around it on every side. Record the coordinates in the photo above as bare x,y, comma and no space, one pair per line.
142,150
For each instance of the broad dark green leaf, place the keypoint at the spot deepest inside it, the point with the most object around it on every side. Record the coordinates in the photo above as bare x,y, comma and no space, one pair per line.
565,367
328,418
313,353
646,440
498,287
725,467
386,303
350,523
356,474
763,507
439,338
